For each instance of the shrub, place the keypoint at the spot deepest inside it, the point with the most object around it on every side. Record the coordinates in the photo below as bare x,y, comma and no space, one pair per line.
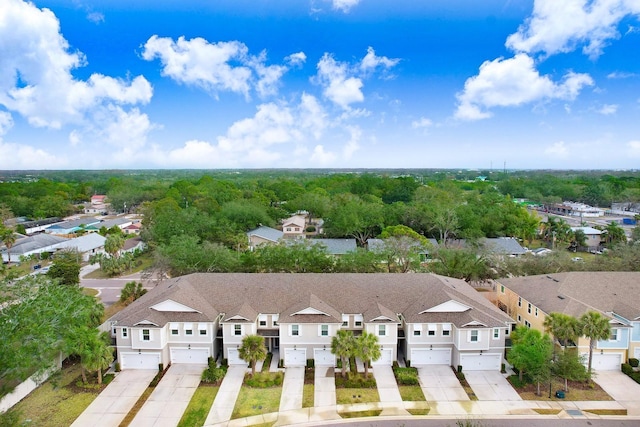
459,368
310,363
213,374
117,367
406,376
408,363
355,380
352,365
395,364
627,369
267,362
310,229
264,379
634,362
635,376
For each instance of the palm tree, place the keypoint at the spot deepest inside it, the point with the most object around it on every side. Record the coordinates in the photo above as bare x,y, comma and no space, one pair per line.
98,355
8,237
252,350
563,327
113,244
594,326
342,345
367,349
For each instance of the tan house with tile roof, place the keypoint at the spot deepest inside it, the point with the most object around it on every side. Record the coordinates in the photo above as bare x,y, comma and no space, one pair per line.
424,318
614,294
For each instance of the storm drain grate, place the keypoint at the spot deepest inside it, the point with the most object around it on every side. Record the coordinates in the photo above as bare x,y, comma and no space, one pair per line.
574,412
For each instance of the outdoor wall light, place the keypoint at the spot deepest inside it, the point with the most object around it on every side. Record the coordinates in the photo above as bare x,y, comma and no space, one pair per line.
189,346
294,347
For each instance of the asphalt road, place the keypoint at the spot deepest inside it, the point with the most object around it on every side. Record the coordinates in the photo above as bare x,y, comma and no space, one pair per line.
503,422
109,289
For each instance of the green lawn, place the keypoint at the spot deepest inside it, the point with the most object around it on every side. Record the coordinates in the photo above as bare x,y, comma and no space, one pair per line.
356,395
308,392
57,402
411,393
256,401
199,406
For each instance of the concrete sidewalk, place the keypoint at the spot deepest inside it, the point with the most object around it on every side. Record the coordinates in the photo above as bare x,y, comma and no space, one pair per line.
171,397
292,387
225,400
116,400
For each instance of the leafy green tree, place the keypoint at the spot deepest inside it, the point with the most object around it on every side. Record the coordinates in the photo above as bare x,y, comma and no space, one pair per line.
367,348
38,320
131,292
614,234
251,350
114,244
355,217
578,241
595,327
66,267
290,257
359,261
402,248
246,214
8,237
531,353
461,264
343,345
568,366
185,254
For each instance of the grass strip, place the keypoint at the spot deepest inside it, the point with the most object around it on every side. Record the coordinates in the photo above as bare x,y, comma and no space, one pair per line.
196,413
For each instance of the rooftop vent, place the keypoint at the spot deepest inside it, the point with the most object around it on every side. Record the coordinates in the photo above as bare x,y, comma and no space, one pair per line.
551,278
561,296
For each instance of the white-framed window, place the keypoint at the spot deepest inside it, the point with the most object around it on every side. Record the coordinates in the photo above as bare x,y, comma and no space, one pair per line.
417,332
358,319
324,331
146,335
536,311
446,329
382,330
288,228
202,329
125,333
175,332
529,308
613,334
188,331
519,301
262,323
358,323
496,333
295,330
237,330
188,328
173,327
527,323
431,329
474,335
345,323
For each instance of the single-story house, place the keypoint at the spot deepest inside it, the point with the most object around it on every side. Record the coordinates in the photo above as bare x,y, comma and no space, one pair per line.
110,223
263,235
593,236
87,245
70,227
505,246
337,246
425,318
528,300
36,244
133,228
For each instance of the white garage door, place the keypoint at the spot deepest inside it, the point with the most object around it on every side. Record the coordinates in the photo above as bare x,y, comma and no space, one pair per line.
605,362
323,357
139,361
295,357
189,355
427,356
233,357
480,362
386,357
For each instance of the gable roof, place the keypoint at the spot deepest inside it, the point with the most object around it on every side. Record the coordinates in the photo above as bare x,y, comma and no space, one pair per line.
577,292
372,295
588,231
84,243
337,246
266,233
33,243
503,245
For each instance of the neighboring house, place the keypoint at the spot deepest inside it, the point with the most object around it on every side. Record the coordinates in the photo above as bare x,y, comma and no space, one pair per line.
294,226
593,237
336,246
574,209
36,244
528,300
378,245
427,318
263,235
37,226
505,246
134,244
133,228
98,205
70,227
110,223
87,245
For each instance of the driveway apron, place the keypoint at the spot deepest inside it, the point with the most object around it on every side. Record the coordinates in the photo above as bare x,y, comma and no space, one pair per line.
225,400
117,399
439,383
171,397
387,385
622,388
325,387
292,387
491,385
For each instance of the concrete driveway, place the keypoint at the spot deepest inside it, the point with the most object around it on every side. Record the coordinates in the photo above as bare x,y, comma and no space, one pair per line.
117,399
292,387
622,388
491,385
439,383
324,393
225,400
171,396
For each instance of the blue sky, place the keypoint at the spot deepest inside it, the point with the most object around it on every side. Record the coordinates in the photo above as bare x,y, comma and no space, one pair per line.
319,84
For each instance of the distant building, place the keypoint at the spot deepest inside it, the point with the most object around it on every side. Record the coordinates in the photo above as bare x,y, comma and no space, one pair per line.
574,209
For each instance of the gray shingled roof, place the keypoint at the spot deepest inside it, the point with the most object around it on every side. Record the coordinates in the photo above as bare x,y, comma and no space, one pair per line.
267,233
33,243
334,294
337,246
503,245
84,243
578,292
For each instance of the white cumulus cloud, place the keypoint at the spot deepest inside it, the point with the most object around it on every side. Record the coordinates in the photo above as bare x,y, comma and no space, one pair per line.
344,5
557,150
322,157
296,59
36,78
633,148
608,109
6,122
422,123
562,26
513,82
371,61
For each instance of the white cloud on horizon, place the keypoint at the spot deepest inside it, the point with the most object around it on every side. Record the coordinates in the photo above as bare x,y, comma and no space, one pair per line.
557,150
561,26
633,149
512,82
344,5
